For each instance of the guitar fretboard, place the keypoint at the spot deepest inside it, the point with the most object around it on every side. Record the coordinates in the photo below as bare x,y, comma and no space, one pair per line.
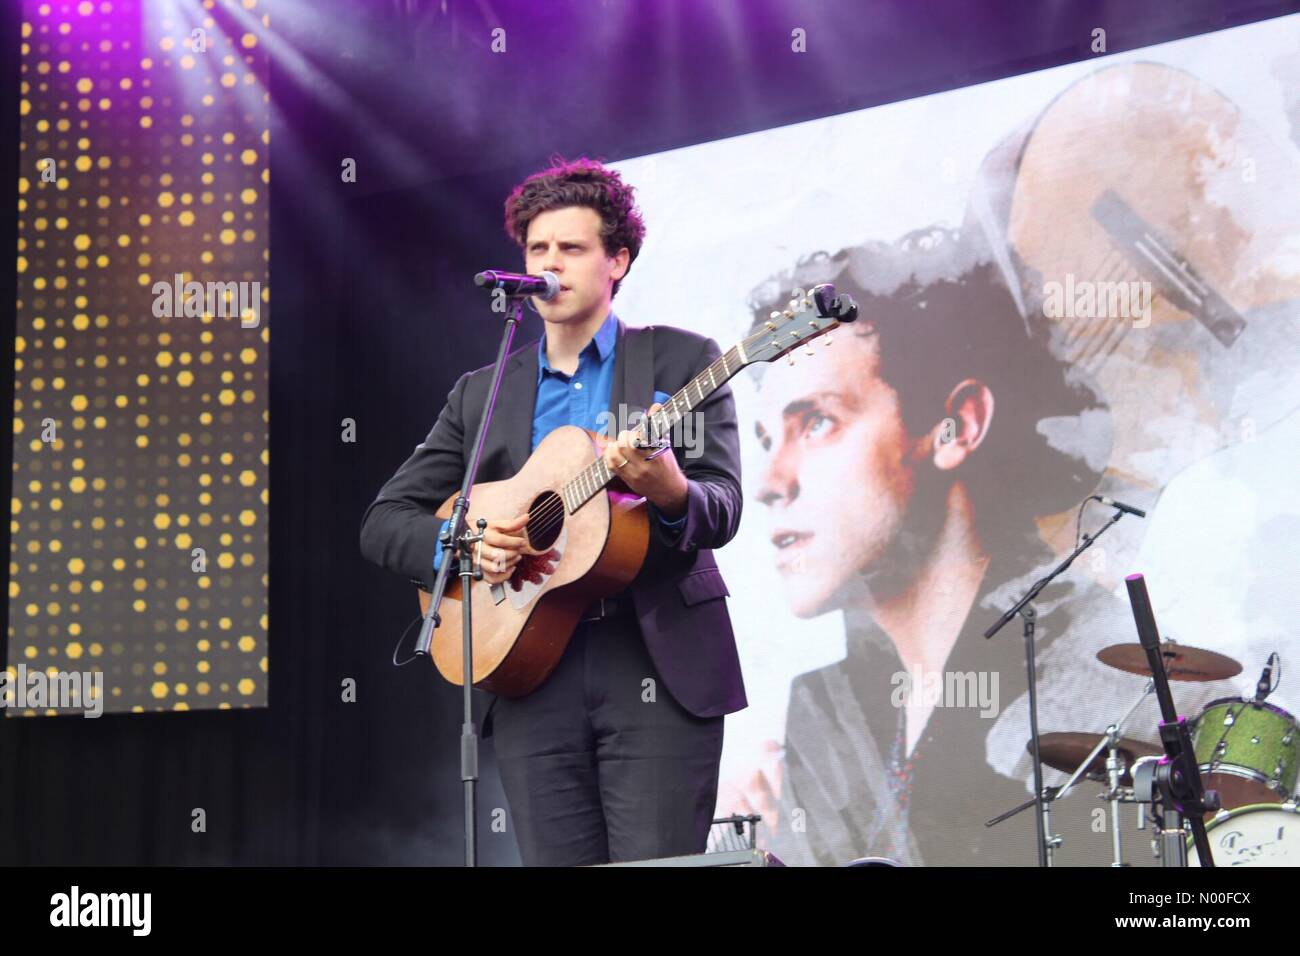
589,482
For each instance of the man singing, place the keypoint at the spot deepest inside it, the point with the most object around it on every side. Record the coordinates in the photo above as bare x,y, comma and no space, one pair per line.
615,756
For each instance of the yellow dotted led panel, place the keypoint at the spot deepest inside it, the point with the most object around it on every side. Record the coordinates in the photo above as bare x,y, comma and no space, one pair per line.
138,523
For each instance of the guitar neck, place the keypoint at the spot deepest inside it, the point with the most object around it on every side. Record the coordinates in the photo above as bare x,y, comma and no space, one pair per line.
810,314
589,482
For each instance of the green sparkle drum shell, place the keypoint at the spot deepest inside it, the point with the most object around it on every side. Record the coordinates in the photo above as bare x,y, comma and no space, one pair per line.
1247,751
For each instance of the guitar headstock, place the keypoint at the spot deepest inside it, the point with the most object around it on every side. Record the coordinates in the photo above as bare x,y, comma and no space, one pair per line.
808,315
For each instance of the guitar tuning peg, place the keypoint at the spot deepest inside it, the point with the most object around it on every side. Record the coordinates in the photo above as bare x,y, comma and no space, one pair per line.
809,350
790,356
827,340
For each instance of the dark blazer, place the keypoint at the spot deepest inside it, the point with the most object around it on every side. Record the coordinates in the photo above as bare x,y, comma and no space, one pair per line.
679,594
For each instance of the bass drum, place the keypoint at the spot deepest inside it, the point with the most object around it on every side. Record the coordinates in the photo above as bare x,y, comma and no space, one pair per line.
1266,834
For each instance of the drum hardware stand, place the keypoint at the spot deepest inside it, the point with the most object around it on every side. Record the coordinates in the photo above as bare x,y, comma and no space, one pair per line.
1113,765
1114,795
1168,829
1178,797
1025,609
1141,794
1050,794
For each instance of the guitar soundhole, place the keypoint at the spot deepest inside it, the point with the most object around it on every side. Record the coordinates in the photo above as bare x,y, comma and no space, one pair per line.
545,520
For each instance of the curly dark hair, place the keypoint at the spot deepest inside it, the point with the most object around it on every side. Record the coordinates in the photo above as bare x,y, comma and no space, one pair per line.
580,182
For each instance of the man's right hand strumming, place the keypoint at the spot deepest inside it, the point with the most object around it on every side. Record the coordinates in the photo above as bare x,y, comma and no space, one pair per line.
502,547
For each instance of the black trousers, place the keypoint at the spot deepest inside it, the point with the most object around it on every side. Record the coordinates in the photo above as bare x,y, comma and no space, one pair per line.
601,764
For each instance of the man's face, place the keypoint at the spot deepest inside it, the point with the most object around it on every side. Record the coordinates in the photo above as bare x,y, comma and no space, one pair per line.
567,242
840,474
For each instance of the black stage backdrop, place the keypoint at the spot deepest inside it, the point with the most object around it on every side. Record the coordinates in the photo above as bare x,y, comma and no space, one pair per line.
374,319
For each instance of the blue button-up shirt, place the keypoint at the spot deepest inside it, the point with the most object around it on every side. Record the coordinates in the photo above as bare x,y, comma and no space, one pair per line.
580,399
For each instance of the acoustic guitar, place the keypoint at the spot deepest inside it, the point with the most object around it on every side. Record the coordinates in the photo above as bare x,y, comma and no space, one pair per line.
587,535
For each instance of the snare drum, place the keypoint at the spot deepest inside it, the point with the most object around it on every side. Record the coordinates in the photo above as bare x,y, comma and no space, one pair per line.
1247,751
1266,834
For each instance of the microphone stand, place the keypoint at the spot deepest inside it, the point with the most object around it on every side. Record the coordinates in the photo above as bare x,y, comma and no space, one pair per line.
470,571
1027,611
1183,797
1109,740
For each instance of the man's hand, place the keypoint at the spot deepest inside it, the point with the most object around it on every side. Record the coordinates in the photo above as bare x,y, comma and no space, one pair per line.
758,793
661,482
502,547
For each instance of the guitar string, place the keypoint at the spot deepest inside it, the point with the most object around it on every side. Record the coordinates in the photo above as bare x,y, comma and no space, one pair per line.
1077,334
1082,332
1110,343
1100,346
551,515
661,422
1097,348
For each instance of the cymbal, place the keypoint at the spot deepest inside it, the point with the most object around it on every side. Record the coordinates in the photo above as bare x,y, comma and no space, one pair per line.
1065,751
1181,662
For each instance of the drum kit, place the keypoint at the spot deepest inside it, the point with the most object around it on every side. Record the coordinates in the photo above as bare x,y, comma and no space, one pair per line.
1246,749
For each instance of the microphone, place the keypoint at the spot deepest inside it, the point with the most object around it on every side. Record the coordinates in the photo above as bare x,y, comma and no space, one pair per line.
545,286
1127,509
1265,685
